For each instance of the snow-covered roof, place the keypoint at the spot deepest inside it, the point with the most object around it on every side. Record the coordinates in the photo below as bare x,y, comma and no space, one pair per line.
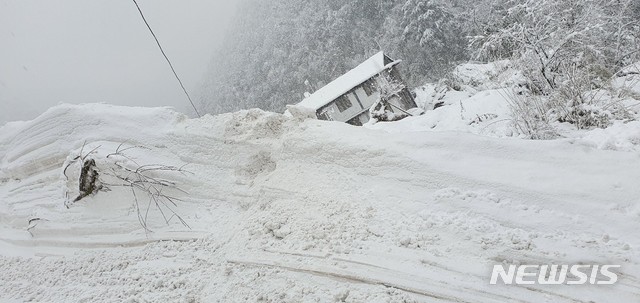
346,82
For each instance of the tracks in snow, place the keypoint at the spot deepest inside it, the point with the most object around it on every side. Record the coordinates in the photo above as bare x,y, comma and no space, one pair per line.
436,283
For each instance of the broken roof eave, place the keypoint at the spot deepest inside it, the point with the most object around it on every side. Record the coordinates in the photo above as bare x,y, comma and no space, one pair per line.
343,84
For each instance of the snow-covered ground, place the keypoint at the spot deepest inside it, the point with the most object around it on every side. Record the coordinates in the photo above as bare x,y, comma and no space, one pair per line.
284,210
477,100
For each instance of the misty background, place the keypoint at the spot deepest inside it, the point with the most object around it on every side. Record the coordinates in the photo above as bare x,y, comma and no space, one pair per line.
255,53
76,51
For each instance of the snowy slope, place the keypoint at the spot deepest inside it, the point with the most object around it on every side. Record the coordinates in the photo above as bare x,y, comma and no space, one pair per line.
478,100
283,210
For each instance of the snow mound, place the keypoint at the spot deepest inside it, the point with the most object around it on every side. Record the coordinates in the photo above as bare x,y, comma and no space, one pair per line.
485,113
484,76
479,98
285,210
29,147
620,136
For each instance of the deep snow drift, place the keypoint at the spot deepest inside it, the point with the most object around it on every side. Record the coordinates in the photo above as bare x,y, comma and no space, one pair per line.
283,210
480,97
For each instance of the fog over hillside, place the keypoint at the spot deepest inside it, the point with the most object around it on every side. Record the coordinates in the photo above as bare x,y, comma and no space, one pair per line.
275,46
497,162
75,51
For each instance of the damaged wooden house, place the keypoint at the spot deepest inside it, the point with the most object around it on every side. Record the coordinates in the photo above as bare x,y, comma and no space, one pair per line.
349,97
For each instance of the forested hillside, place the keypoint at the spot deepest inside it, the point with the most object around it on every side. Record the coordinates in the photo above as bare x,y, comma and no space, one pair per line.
516,179
276,46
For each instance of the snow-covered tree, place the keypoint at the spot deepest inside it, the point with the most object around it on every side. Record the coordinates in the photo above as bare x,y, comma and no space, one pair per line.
278,45
551,38
565,48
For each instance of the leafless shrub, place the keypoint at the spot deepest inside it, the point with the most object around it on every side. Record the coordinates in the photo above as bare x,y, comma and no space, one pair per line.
530,115
568,51
144,180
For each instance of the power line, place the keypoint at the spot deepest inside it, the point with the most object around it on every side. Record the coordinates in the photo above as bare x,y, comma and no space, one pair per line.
166,58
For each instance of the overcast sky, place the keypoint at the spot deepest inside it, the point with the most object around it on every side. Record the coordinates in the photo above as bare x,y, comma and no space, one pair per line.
82,51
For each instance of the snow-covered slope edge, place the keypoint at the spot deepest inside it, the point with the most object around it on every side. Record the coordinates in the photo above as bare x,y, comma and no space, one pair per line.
284,210
480,98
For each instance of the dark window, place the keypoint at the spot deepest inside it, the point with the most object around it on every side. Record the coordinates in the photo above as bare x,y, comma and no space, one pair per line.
343,103
368,87
355,121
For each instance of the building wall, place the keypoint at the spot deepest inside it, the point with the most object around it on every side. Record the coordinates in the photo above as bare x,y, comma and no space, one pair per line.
367,100
360,99
360,119
404,101
332,111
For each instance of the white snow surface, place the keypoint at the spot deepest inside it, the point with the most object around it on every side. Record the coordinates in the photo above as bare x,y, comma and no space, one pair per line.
286,210
480,104
338,87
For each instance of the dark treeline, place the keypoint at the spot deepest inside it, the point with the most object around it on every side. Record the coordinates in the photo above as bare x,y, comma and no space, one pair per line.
276,46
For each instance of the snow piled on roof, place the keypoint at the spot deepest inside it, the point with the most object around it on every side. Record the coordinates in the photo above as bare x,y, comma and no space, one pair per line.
346,82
